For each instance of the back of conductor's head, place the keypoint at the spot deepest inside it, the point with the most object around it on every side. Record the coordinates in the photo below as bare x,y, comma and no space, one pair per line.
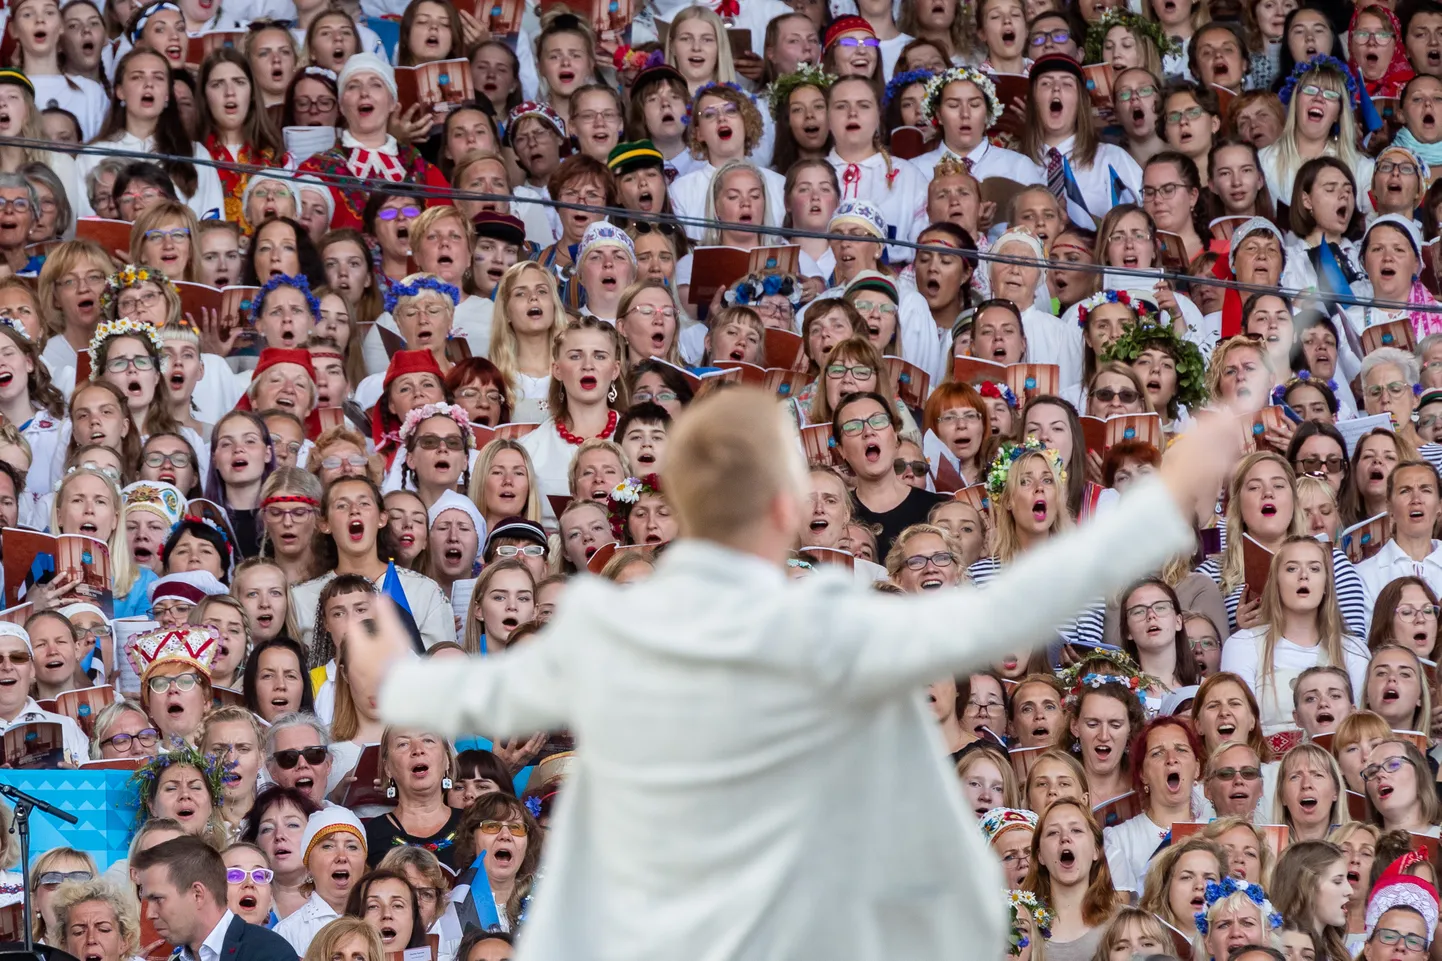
735,473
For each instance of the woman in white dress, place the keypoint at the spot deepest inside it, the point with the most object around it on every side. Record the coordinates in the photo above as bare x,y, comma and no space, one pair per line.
529,316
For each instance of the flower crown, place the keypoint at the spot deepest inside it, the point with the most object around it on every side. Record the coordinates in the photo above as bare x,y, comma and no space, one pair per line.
998,391
298,282
1217,890
131,275
903,80
751,288
455,412
932,101
1279,393
627,58
1191,368
1009,454
207,522
1321,60
621,498
1071,677
146,780
1097,34
1025,899
416,287
1094,682
7,321
805,75
1141,308
123,327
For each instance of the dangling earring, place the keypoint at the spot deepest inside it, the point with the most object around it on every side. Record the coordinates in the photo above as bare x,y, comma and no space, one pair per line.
391,790
445,784
611,397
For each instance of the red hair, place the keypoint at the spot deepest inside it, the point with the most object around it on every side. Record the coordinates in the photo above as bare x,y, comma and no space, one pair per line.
1138,749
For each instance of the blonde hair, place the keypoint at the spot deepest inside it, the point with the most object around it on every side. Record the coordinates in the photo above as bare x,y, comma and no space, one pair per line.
740,455
323,946
725,70
1215,828
986,752
69,256
712,235
504,351
151,219
123,570
1232,566
39,866
623,307
858,349
1328,616
471,635
896,557
487,457
1008,542
1289,160
121,900
428,219
1218,360
1421,717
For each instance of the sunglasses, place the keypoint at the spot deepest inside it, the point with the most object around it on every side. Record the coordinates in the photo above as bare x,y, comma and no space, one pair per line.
286,760
51,879
1247,773
858,42
391,213
258,875
436,442
1108,394
918,468
19,657
517,828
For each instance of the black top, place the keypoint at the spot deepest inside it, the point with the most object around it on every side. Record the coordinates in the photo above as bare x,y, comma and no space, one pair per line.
385,832
913,510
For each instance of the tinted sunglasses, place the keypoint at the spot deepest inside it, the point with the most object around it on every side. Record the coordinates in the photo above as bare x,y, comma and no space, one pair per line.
288,759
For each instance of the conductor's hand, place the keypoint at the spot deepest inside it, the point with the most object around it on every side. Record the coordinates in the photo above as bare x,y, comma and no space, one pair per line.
1198,461
371,648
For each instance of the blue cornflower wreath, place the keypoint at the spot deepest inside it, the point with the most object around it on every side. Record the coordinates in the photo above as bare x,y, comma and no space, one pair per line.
297,282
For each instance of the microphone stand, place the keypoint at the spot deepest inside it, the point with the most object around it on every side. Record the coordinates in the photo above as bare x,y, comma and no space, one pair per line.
24,804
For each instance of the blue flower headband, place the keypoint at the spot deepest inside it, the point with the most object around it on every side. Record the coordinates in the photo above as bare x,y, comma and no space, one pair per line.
901,81
296,282
1217,890
1316,63
747,291
416,287
1279,393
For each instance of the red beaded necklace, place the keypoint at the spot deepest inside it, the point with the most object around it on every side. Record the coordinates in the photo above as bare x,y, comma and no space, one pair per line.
570,438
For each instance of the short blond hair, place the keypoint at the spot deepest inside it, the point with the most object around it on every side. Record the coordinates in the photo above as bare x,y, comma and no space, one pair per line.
121,901
738,456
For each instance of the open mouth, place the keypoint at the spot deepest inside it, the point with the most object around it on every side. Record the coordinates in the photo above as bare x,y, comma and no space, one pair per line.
932,582
1308,804
1390,693
503,855
443,465
1054,108
1238,796
248,902
174,710
566,76
1384,791
1008,38
453,555
1376,475
1174,782
1219,70
88,527
1067,857
1039,510
873,453
1304,591
1325,716
1354,878
184,813
1315,114
724,132
1102,751
341,877
302,784
420,769
1269,510
388,934
588,382
356,530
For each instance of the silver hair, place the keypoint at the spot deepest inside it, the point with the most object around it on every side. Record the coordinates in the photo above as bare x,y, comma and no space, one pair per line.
296,719
17,181
1400,359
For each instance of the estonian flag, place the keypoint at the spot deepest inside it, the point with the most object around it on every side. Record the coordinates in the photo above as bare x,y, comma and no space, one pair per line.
1121,193
1371,119
477,909
391,587
1076,206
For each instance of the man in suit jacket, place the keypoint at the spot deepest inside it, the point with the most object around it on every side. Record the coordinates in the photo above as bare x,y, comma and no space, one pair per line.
183,889
757,774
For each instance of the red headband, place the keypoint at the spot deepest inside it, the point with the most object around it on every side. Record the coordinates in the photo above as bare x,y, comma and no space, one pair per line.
290,499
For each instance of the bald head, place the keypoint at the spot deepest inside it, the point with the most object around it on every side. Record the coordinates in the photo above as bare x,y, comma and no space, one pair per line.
730,460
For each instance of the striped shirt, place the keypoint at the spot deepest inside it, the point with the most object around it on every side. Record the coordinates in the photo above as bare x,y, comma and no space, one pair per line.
1086,629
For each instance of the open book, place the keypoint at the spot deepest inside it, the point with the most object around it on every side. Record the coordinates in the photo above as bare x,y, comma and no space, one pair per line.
1365,538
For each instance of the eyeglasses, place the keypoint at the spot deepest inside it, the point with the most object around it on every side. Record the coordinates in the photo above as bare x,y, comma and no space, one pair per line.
93,279
858,42
530,550
93,632
1127,96
918,468
391,213
119,365
660,397
1055,36
605,116
1374,36
314,104
281,444
858,371
20,205
286,760
181,682
121,742
647,311
984,707
1312,90
517,828
1106,395
954,417
1413,942
147,300
176,234
1409,611
884,306
1160,608
1331,464
414,313
1206,644
334,462
1404,168
1390,766
1395,388
1165,191
1019,858
1140,235
1228,773
297,514
146,195
1177,116
877,421
258,875
436,442
491,396
940,559
179,609
51,879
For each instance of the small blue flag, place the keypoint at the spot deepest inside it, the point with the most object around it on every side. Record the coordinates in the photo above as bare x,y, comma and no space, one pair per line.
391,587
1371,119
1076,205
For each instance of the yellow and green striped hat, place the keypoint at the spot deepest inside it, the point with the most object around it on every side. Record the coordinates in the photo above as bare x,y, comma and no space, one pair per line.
17,77
634,155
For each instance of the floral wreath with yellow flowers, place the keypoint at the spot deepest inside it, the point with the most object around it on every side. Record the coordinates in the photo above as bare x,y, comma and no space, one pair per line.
1016,900
624,496
131,275
124,327
1009,454
931,103
805,75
